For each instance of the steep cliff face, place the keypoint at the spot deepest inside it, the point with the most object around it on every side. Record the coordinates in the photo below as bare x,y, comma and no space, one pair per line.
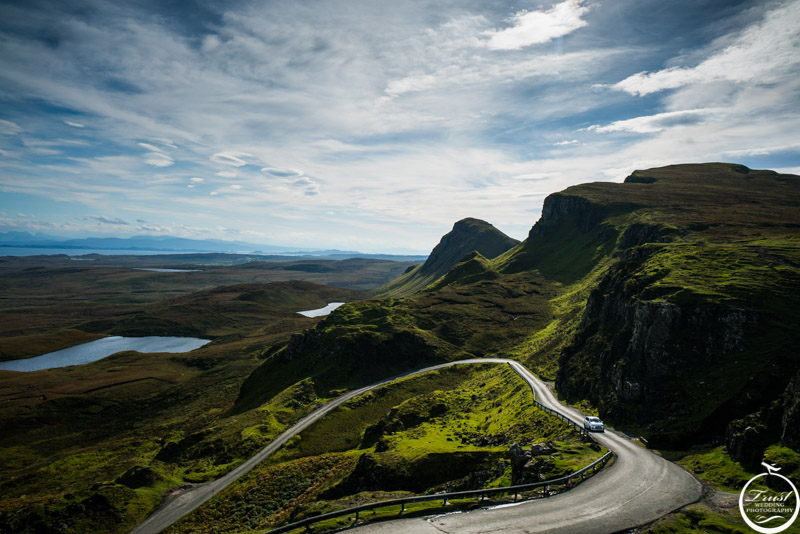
690,327
678,369
569,240
560,207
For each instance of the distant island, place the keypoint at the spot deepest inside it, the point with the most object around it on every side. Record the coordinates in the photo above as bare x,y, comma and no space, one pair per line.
171,244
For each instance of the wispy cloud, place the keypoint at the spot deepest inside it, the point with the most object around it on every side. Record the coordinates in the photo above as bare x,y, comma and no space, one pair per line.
763,53
74,124
366,122
655,123
158,159
9,128
307,185
107,220
763,151
156,156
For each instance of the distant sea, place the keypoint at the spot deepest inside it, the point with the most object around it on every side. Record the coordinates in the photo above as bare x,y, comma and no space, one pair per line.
32,251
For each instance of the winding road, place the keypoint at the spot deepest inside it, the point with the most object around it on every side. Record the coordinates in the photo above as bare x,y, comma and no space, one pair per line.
636,489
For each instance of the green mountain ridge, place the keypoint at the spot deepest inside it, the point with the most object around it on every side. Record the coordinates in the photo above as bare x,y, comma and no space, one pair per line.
665,301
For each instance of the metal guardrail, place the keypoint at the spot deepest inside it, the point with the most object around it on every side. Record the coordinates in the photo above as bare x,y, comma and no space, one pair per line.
563,417
568,482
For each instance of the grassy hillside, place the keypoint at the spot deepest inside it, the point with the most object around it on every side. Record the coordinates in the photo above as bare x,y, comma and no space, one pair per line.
364,341
446,430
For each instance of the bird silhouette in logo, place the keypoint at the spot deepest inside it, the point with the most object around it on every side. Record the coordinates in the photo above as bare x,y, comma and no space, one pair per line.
771,469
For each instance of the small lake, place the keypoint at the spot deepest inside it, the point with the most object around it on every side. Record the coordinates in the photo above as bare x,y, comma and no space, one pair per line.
101,348
321,311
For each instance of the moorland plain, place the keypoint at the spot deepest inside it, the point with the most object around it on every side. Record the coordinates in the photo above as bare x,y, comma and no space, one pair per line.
53,302
67,435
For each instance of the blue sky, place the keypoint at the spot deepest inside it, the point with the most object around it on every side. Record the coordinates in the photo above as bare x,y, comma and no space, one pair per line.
372,125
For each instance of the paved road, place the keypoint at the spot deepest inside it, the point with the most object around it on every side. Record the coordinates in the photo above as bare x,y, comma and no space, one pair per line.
638,488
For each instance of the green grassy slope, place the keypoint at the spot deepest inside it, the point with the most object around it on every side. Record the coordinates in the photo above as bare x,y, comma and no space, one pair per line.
364,341
447,430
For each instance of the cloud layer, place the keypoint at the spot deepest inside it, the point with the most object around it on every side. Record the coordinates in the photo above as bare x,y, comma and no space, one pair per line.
372,124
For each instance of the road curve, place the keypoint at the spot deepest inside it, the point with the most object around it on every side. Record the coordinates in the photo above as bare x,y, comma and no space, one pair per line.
638,488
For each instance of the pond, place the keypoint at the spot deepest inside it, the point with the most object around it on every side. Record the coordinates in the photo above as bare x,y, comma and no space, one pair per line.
321,311
102,348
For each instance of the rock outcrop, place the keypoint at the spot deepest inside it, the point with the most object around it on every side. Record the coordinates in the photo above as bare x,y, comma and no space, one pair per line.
468,235
527,466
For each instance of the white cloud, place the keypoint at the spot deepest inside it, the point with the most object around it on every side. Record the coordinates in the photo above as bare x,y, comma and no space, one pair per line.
74,124
309,186
156,156
196,180
275,171
478,72
234,159
536,27
411,84
762,151
763,53
150,147
656,123
107,220
166,142
480,131
9,128
236,186
158,159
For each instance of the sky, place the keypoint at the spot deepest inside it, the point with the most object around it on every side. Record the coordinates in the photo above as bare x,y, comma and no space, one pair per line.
372,125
